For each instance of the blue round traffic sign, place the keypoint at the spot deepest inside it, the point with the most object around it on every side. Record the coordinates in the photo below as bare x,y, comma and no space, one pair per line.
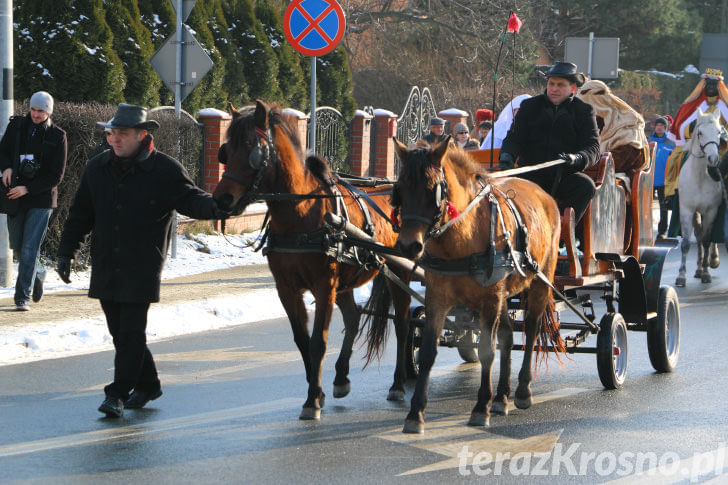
314,27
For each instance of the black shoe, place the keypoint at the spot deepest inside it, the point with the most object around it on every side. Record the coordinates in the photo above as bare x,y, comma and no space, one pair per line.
139,399
113,407
37,290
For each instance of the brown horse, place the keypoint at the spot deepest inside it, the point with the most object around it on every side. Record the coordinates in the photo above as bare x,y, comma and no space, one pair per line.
265,159
435,186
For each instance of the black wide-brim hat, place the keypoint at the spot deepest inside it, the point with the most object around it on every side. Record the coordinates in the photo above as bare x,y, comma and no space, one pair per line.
129,116
566,70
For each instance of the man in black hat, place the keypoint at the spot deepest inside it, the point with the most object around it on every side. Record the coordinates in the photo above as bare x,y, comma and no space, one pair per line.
554,125
437,131
126,198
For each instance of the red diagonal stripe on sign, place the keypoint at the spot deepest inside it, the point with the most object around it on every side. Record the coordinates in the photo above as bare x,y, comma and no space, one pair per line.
314,24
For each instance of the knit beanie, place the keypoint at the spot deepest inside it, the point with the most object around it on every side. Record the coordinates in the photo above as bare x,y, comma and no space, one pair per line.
42,101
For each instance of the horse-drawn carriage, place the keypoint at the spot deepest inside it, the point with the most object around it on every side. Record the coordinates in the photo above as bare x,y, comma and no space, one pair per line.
328,235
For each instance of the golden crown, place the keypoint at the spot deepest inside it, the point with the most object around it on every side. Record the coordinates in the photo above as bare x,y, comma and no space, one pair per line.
712,73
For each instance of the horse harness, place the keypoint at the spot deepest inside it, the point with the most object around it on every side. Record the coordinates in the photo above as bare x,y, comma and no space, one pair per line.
326,239
487,267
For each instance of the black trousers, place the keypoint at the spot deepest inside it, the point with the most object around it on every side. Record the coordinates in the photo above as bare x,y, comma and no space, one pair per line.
664,206
133,363
573,190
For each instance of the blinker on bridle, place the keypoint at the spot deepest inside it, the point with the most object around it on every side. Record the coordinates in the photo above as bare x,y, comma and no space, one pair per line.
257,160
441,202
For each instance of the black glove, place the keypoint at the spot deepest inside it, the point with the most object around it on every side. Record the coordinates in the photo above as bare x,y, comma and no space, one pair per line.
574,162
63,268
219,213
506,161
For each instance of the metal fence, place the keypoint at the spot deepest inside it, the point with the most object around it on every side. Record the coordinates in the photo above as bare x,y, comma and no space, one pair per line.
332,138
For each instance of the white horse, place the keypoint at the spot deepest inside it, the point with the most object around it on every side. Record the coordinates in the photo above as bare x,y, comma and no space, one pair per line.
700,195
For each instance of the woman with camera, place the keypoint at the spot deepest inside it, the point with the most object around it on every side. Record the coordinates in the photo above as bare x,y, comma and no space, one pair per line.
32,161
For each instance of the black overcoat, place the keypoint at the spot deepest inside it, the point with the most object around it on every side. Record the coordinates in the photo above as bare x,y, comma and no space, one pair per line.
541,131
129,216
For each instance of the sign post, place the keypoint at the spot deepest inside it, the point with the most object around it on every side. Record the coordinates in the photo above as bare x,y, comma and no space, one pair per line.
314,28
598,55
181,62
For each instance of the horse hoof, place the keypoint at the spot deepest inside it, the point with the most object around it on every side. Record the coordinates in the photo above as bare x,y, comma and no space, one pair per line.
499,408
342,390
395,395
413,427
523,403
479,419
680,282
714,262
698,274
706,278
310,413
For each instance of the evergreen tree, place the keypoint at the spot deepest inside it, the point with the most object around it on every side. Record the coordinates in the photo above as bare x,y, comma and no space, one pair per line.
235,83
290,75
65,47
260,63
159,19
333,80
133,44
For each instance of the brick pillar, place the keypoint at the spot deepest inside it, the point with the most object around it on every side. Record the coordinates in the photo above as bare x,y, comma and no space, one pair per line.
386,128
452,117
302,125
360,148
216,123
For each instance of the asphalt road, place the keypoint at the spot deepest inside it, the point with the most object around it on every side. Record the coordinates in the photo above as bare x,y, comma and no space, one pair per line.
231,401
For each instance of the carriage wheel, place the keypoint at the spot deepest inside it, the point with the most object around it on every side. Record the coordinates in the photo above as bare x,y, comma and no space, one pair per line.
663,332
612,350
465,346
414,341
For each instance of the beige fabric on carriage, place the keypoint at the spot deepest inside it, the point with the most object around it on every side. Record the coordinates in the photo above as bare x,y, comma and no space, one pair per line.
623,132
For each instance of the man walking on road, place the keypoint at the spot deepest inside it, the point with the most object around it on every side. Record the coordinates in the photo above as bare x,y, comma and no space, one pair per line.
126,199
33,154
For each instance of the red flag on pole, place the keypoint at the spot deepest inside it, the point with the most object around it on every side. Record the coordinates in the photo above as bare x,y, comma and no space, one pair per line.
514,23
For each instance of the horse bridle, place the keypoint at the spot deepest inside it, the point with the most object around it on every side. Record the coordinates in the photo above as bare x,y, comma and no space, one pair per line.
440,194
258,159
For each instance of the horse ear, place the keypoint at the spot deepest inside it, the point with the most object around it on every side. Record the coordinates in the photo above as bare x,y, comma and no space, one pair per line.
234,112
400,148
261,115
438,151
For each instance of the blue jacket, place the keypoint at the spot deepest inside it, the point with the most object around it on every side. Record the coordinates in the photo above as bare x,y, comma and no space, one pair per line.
665,146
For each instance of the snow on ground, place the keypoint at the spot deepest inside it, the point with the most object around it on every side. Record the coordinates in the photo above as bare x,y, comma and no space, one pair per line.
23,342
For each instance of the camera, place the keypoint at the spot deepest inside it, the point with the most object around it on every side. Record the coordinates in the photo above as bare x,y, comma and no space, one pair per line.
28,167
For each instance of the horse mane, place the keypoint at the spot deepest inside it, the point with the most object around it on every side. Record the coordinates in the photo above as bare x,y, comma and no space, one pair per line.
319,168
464,167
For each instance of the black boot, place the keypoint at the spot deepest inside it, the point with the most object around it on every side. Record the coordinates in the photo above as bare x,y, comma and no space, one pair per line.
139,399
113,407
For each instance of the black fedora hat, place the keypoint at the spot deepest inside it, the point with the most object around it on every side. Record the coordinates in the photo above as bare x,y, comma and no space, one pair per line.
566,70
129,116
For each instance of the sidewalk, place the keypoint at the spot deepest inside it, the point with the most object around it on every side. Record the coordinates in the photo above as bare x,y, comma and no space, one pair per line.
76,305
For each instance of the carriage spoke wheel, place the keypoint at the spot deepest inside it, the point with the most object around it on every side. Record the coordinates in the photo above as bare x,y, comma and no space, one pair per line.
414,341
612,350
466,348
663,332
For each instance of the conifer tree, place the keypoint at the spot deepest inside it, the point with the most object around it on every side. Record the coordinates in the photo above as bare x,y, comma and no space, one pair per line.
65,47
133,44
290,75
158,17
333,80
260,63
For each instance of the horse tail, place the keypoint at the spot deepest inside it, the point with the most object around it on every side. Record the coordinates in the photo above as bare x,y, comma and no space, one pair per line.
549,337
377,318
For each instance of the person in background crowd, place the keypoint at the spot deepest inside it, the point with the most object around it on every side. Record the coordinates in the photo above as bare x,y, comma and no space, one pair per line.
437,131
669,134
33,154
483,129
556,124
126,199
503,124
462,138
665,146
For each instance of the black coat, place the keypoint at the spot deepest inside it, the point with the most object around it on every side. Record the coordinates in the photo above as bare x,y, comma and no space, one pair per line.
541,131
49,145
130,217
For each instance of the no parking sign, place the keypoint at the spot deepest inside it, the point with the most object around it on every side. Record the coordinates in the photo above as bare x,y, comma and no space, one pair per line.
314,27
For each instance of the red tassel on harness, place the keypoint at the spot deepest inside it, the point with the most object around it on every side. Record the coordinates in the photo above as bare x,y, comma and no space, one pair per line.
394,215
452,211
